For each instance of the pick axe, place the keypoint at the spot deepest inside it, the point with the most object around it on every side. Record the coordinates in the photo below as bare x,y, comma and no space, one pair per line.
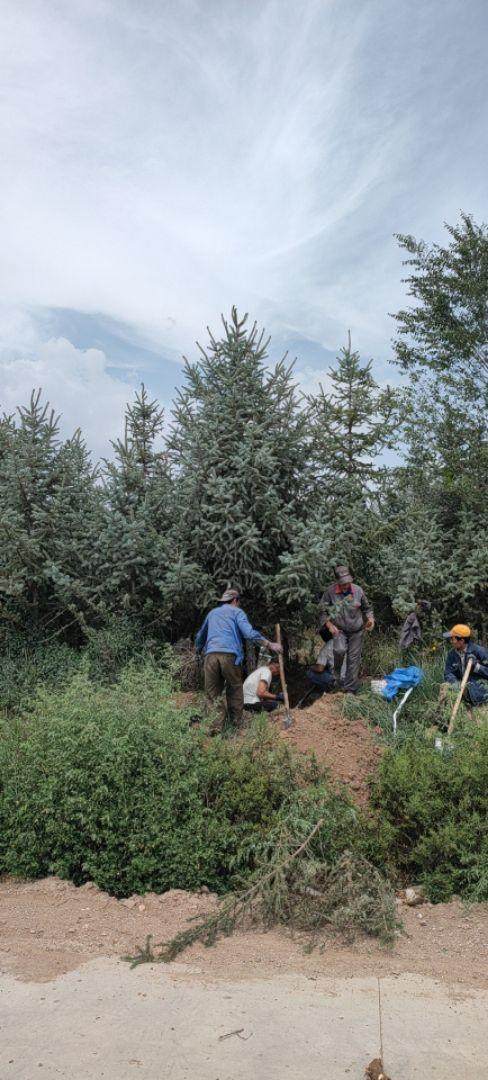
288,719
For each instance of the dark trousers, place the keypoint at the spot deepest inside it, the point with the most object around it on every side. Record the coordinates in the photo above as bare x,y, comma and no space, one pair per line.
266,705
350,646
324,679
222,673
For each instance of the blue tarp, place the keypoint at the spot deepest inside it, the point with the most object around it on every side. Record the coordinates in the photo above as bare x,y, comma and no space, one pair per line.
402,678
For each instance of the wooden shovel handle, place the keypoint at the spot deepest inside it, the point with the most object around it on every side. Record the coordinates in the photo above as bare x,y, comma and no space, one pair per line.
457,702
282,668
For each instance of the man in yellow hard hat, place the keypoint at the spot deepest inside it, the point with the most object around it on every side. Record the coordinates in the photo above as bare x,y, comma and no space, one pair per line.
463,650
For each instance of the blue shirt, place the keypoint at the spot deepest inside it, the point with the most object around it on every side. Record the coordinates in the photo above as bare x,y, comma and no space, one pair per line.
224,630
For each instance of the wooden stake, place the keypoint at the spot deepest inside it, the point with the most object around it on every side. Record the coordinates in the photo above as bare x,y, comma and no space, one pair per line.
462,688
288,719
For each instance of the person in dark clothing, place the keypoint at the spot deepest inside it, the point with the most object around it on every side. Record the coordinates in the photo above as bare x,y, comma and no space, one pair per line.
321,674
463,649
221,639
345,613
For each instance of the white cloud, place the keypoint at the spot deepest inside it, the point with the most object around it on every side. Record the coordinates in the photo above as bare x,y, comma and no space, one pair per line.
77,385
164,160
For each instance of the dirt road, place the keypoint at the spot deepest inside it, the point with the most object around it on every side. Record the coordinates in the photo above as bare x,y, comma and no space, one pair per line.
253,1007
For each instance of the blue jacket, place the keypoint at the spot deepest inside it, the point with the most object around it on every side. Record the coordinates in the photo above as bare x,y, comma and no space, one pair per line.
454,669
225,629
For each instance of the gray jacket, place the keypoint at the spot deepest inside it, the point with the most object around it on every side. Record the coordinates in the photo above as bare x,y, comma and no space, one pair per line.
411,632
348,611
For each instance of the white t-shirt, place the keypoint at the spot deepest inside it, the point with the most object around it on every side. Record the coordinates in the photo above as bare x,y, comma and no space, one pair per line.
262,674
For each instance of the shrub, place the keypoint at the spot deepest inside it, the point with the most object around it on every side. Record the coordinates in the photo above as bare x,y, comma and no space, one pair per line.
23,667
110,783
431,815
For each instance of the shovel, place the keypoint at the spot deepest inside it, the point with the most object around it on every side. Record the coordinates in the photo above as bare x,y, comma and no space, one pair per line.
288,719
439,743
462,688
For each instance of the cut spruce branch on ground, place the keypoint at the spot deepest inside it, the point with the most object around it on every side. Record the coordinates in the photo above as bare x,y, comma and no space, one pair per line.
349,897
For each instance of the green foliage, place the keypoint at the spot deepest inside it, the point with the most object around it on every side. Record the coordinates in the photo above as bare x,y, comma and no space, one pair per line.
350,425
447,331
23,667
431,820
430,807
51,514
110,783
296,885
238,446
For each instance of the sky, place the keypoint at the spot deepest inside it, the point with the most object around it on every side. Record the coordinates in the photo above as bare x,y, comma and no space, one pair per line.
165,159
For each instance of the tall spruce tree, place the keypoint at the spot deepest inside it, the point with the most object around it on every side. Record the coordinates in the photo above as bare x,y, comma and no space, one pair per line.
50,507
141,560
238,444
137,491
438,495
351,424
445,333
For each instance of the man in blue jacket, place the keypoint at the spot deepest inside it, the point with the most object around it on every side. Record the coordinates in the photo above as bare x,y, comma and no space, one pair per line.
221,639
463,649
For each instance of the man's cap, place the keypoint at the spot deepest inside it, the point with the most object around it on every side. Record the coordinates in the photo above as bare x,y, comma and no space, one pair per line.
228,595
342,575
459,630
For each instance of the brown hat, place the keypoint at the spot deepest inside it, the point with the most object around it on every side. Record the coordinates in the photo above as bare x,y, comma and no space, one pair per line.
229,595
342,575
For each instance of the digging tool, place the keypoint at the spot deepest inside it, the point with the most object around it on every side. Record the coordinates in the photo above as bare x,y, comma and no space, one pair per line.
288,720
462,688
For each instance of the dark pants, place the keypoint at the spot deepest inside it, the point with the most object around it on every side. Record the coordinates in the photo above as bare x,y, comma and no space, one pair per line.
477,691
350,646
324,679
221,672
266,705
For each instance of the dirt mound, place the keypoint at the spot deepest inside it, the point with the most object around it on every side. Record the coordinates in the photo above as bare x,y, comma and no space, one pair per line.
346,746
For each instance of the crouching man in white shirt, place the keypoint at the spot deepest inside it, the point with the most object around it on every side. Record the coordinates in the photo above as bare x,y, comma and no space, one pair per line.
257,695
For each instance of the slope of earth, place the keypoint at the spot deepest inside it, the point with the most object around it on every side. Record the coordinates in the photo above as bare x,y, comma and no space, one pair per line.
49,927
346,746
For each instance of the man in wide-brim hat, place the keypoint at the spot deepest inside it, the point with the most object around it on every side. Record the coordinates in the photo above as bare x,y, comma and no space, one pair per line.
221,639
345,613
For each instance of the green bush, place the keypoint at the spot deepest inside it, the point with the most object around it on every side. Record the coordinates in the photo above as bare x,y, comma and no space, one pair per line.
23,667
431,815
110,783
25,663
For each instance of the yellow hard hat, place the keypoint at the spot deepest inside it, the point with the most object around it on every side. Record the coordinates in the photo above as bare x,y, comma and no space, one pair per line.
460,630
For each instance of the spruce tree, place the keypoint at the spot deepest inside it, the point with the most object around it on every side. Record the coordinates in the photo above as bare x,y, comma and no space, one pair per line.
141,561
445,333
444,481
239,448
49,504
351,424
137,490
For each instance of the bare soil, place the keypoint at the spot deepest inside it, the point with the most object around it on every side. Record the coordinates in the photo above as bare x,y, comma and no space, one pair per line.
49,927
347,747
